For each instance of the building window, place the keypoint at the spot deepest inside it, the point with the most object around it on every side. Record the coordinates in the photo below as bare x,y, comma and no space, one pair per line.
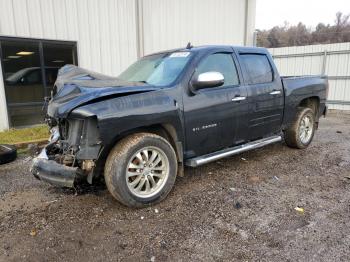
29,71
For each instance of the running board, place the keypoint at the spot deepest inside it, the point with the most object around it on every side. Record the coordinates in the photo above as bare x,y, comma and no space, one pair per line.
201,160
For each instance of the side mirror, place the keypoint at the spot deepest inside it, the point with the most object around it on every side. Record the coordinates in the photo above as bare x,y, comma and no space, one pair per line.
208,79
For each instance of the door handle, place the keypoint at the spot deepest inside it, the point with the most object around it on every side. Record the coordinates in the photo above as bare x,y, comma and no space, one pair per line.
275,92
238,98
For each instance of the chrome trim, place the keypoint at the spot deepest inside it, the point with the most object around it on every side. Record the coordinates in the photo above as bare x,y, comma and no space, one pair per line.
238,98
210,77
276,92
147,172
201,160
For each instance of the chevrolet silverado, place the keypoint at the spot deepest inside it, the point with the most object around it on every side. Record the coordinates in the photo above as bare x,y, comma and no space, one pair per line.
183,107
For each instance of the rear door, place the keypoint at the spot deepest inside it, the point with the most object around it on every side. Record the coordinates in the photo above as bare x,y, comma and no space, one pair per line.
265,95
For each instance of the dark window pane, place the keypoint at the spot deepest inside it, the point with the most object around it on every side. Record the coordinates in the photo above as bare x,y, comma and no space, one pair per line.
258,67
26,114
23,81
24,86
222,63
56,56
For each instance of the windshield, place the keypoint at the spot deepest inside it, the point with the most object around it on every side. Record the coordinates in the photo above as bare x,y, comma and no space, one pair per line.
158,70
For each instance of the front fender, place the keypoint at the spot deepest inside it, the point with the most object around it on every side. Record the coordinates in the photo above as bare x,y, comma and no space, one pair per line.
118,115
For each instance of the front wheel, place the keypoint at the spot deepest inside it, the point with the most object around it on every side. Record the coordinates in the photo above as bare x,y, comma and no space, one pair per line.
141,169
302,130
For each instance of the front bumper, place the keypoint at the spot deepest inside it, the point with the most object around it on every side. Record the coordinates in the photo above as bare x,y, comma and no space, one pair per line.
52,172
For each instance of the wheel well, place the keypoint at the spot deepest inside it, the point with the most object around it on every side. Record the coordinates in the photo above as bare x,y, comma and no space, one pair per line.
312,103
166,131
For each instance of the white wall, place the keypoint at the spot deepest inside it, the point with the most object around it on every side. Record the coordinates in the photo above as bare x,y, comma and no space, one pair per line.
4,123
104,29
170,24
309,60
110,35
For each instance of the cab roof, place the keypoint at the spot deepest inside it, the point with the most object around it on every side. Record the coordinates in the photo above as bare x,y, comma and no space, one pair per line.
204,48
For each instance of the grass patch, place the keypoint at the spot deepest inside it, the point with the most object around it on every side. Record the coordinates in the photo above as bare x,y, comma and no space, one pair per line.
24,135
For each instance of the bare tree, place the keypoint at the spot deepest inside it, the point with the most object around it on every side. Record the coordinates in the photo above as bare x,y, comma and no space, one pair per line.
286,35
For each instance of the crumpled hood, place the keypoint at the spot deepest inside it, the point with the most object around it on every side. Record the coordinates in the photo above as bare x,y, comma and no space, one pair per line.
76,86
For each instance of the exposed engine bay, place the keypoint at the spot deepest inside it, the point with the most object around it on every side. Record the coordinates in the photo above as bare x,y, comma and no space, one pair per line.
71,153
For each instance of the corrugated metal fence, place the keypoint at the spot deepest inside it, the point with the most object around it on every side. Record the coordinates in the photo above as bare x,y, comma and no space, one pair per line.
331,59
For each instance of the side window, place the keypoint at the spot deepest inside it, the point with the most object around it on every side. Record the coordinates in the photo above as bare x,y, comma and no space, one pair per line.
258,67
222,63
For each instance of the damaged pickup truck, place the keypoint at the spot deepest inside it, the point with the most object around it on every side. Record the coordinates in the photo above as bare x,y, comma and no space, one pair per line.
187,106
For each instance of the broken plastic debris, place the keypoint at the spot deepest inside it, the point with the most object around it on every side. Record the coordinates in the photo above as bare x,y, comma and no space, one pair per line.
33,232
232,189
156,211
142,218
299,209
275,177
238,205
243,159
153,258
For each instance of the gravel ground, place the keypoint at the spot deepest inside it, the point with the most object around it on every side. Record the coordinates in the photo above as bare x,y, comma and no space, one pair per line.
240,208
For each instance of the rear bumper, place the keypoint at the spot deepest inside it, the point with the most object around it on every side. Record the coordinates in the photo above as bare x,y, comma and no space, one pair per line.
52,172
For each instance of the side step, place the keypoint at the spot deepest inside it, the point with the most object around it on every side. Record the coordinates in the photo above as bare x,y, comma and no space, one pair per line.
201,160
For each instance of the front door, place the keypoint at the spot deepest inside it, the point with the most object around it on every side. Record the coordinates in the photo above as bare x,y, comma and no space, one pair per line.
212,114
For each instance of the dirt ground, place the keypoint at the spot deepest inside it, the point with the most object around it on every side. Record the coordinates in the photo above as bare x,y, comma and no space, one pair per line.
237,209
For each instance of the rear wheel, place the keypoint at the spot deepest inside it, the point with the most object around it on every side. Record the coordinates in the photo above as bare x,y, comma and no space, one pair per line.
302,130
141,169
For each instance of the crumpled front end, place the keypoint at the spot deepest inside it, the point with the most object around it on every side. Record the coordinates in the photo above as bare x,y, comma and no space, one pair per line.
71,154
53,173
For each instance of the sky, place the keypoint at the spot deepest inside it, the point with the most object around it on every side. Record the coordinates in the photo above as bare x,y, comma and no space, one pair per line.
270,13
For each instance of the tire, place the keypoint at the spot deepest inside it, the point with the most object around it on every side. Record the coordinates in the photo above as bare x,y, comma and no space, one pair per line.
129,156
293,135
8,154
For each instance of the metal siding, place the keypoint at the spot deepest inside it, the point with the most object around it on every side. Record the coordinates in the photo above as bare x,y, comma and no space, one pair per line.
34,20
48,19
170,24
7,20
308,60
106,29
102,28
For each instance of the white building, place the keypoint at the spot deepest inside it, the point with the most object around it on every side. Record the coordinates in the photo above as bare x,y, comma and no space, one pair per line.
39,36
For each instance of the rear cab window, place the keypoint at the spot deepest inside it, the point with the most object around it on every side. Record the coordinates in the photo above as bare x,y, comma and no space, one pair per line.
258,68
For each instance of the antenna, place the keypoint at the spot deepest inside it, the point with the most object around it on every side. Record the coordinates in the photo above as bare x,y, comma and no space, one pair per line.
189,45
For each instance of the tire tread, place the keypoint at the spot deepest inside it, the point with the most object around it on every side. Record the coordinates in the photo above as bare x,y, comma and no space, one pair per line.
291,135
117,155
